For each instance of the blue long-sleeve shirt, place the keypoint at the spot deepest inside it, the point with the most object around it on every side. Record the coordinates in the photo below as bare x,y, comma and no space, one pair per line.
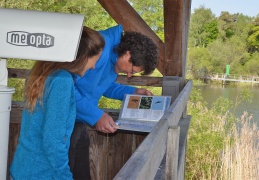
100,81
43,145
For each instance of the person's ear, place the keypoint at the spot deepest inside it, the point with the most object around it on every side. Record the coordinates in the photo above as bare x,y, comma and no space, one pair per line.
127,55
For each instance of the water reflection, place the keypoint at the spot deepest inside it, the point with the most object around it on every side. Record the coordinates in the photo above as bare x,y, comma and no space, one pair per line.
211,93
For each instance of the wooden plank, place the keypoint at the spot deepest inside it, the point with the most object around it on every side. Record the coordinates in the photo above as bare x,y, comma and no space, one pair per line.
97,155
111,150
14,133
123,13
119,151
141,80
172,153
16,112
142,164
18,73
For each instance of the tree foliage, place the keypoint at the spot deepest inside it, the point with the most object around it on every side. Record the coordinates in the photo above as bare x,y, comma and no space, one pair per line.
253,39
203,27
230,39
151,12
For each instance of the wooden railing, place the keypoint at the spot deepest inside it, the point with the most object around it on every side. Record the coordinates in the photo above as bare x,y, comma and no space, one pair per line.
161,155
167,140
232,77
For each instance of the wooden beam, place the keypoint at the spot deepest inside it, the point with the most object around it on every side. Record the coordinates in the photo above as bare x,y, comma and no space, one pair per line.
173,17
123,79
177,20
123,13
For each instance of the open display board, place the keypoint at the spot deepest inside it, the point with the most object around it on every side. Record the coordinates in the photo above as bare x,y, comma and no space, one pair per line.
141,113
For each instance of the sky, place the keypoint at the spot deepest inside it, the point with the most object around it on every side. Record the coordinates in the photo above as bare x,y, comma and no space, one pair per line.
246,7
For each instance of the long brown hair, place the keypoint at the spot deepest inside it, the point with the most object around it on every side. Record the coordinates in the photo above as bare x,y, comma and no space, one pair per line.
91,44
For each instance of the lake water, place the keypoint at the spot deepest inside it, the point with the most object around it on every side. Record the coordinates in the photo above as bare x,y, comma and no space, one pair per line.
211,93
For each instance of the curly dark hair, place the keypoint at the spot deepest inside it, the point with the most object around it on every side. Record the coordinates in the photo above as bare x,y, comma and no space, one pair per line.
143,50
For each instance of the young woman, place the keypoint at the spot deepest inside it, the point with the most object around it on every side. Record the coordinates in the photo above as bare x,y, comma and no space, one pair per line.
50,112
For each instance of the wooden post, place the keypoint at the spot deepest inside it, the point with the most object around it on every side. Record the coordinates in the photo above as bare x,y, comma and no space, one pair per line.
172,153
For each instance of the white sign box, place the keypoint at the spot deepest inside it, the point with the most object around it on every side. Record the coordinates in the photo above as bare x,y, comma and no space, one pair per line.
36,35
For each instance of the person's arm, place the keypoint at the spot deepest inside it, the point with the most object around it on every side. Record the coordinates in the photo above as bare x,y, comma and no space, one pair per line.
117,91
143,91
59,116
87,111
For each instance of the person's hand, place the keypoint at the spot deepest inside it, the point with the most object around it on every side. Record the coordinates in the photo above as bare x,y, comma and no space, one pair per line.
143,91
106,124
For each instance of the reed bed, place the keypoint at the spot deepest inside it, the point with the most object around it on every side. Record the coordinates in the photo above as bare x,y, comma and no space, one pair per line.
221,146
240,156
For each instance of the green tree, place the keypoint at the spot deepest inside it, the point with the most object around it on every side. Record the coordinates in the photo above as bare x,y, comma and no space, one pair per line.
252,66
225,21
211,29
233,24
232,52
151,12
199,61
256,21
253,39
203,27
95,16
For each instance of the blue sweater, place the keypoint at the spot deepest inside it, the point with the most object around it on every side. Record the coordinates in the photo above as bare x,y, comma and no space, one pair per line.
42,151
100,81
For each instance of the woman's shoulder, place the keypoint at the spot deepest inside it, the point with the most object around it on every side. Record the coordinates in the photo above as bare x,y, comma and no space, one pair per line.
61,76
62,72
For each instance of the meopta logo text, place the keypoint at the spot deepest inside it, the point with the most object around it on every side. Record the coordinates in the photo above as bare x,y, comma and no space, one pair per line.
38,40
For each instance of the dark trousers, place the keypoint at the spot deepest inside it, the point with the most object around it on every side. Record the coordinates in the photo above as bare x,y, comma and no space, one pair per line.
79,152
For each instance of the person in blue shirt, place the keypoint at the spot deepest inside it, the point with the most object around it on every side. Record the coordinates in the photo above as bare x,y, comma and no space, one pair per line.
124,52
50,111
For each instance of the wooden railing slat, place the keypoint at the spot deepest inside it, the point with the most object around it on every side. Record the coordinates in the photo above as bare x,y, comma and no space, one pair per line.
172,153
